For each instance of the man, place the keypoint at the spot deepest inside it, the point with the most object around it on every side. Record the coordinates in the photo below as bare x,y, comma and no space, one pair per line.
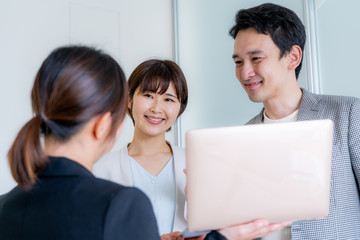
268,51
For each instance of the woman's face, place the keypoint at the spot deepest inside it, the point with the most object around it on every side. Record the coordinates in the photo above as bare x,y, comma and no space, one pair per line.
153,113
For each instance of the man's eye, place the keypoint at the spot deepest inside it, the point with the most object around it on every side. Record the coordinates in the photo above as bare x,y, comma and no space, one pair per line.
256,59
238,62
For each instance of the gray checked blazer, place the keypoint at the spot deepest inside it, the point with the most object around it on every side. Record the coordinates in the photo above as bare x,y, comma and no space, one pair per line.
343,221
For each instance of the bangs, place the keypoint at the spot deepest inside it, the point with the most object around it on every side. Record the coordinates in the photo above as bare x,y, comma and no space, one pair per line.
160,86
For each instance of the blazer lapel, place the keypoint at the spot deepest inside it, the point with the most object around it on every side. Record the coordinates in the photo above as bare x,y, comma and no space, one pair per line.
258,119
310,106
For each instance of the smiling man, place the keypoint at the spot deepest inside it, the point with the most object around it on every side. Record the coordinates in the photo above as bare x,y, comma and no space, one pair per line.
268,53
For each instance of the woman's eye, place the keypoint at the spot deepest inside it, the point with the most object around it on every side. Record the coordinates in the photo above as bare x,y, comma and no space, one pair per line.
148,95
169,100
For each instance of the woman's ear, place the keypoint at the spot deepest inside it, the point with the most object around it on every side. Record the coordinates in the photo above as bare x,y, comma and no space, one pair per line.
102,126
294,57
129,103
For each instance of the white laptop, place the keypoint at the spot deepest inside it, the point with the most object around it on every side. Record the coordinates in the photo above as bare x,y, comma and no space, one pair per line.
276,171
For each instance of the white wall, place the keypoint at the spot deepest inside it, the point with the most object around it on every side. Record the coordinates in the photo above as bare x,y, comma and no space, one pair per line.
338,25
131,31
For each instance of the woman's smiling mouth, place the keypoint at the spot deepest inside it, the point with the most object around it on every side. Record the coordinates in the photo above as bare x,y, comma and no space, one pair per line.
154,120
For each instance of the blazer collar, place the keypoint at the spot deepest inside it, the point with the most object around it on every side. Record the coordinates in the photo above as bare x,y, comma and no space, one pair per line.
258,119
310,106
61,166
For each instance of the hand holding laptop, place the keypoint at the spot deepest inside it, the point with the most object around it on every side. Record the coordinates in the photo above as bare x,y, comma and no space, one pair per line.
250,230
253,229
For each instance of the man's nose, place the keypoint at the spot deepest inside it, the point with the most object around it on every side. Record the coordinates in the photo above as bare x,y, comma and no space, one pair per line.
247,71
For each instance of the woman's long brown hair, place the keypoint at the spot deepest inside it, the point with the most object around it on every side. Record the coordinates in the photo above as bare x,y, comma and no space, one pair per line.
73,85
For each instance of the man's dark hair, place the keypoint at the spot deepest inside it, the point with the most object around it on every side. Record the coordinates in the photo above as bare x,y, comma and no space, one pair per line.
282,24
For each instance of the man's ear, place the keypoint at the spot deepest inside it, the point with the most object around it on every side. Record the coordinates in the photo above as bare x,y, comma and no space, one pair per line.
102,126
294,57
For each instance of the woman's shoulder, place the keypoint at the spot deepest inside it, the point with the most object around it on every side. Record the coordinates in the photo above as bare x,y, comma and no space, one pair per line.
178,149
179,159
120,201
178,152
111,158
130,210
113,166
110,190
115,190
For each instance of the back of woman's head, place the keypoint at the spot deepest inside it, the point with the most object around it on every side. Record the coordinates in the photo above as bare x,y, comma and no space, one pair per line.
155,76
73,85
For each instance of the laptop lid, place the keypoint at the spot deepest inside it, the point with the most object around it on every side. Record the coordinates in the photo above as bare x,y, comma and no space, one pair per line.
275,171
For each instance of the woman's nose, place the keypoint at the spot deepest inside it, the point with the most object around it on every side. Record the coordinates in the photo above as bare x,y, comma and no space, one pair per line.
156,106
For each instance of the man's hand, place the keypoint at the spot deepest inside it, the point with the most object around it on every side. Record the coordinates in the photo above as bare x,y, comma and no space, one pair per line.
254,229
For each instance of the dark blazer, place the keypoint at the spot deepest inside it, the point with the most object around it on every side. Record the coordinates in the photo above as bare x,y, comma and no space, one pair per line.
343,221
68,202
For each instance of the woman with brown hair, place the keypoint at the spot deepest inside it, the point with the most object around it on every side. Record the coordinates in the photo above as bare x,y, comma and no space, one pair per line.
157,97
79,100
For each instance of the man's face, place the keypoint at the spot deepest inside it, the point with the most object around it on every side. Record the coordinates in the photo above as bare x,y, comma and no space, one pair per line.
259,68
